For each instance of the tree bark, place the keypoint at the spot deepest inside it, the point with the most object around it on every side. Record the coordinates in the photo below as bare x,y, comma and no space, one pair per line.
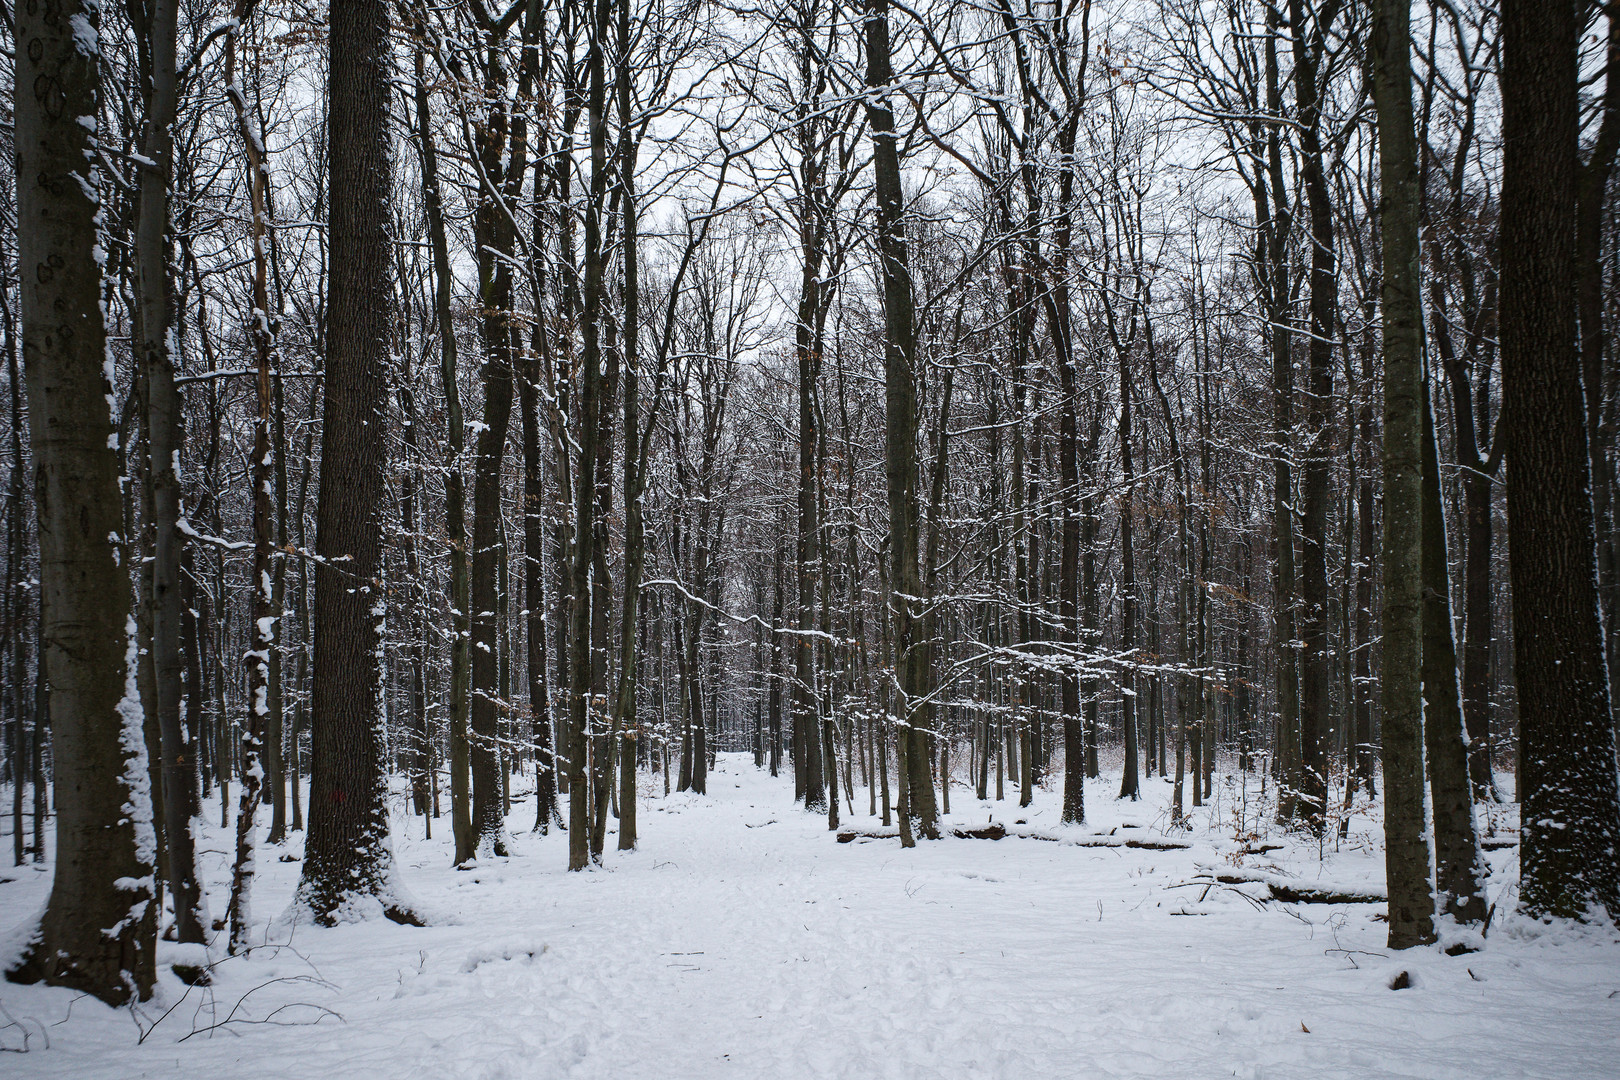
900,433
97,933
455,508
1571,815
348,859
1314,703
1406,848
1460,867
165,438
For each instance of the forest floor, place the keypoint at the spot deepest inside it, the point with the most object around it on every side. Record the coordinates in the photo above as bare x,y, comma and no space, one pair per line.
743,941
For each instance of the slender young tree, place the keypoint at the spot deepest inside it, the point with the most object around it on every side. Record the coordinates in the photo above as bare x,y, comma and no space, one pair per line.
583,701
1314,703
258,726
455,499
1460,867
1406,844
156,26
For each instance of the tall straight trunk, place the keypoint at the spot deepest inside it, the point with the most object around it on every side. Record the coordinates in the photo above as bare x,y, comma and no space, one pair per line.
900,434
455,509
626,724
418,756
1272,211
690,698
348,860
256,723
1315,717
275,761
1406,848
534,569
602,744
777,672
1128,787
1207,634
1471,426
581,686
807,761
1571,818
16,595
1362,734
1591,203
828,727
97,933
300,722
165,438
1079,731
502,149
939,474
1242,671
1185,601
1460,867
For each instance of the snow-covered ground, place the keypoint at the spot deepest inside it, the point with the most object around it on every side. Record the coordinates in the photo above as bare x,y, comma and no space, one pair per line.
742,941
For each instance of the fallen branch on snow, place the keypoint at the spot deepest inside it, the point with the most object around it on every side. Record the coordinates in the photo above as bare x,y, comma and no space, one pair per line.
1295,890
997,831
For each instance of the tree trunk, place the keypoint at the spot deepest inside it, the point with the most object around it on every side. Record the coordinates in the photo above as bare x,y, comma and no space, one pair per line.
1460,867
581,686
455,510
348,859
1315,720
97,933
900,432
1406,848
1591,202
165,438
1275,217
1571,816
257,723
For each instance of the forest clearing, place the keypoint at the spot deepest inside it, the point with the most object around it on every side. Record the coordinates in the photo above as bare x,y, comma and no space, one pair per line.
743,941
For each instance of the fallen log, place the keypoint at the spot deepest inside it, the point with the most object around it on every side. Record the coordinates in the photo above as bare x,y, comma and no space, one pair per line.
1296,890
997,831
994,831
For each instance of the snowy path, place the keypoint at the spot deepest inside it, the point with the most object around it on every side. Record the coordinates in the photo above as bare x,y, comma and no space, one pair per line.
741,941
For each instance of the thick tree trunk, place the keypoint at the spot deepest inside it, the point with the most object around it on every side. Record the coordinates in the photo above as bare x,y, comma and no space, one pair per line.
900,434
503,152
348,860
1571,819
807,761
1362,734
97,933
